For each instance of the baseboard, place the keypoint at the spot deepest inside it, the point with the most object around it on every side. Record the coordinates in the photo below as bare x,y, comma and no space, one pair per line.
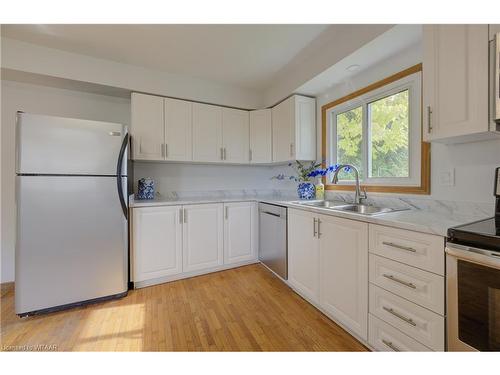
187,275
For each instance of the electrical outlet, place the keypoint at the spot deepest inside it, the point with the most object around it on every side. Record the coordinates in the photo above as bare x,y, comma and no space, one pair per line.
447,178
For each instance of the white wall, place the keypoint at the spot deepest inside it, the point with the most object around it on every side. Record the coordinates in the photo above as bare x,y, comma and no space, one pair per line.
473,163
44,100
31,58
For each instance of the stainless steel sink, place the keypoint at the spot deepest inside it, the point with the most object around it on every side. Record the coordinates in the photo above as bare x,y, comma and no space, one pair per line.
321,203
362,209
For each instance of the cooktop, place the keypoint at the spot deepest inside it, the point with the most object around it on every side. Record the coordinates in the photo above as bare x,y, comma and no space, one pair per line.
483,234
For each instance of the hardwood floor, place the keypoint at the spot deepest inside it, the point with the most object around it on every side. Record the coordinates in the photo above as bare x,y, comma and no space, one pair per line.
242,309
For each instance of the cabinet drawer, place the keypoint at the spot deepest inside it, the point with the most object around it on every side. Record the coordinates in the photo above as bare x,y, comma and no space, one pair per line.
420,250
384,337
424,288
421,324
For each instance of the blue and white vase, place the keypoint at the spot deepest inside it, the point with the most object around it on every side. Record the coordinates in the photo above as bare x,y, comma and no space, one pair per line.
306,190
146,188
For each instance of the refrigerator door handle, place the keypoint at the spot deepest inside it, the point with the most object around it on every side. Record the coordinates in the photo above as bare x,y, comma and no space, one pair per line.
119,175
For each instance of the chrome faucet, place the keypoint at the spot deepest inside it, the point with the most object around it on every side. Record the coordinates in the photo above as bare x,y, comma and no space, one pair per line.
358,195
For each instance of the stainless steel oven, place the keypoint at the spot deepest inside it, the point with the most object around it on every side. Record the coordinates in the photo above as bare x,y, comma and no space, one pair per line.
473,298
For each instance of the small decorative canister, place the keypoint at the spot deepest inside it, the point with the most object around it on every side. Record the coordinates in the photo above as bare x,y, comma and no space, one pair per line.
146,188
306,190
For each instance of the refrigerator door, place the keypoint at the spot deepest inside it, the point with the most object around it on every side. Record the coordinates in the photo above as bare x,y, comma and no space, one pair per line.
71,241
66,146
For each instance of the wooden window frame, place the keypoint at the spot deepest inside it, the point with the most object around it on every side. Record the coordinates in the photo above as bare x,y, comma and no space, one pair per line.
425,159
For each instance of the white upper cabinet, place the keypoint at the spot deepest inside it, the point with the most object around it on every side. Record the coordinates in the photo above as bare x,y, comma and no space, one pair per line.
178,130
235,135
161,128
156,242
344,271
202,237
207,133
165,129
283,131
240,232
261,136
455,81
305,128
147,127
294,129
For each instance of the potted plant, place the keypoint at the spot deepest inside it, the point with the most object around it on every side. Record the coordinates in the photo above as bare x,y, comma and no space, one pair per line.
303,173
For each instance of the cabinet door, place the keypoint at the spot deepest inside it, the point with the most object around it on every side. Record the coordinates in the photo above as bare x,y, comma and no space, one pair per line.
156,242
240,232
202,237
235,135
305,128
207,132
344,272
283,132
260,136
303,254
455,75
178,130
147,128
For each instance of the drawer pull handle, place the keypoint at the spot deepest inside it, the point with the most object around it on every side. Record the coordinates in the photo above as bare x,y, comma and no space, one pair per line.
390,345
405,283
398,315
407,248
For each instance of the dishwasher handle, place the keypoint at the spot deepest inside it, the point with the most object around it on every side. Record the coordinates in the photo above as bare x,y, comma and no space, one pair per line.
270,213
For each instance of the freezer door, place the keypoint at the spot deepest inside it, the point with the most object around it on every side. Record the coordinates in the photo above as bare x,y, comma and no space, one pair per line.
71,241
58,145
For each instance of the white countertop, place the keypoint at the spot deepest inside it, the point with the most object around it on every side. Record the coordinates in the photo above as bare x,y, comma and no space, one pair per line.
426,221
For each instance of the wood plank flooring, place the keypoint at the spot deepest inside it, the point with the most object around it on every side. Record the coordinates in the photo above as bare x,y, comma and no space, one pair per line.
242,309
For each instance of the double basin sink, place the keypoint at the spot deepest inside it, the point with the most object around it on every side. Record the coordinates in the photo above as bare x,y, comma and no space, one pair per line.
362,209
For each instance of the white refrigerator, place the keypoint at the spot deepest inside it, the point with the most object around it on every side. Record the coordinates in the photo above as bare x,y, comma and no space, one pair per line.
71,197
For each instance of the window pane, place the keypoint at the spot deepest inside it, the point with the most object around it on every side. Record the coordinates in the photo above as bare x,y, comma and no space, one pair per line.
349,140
388,129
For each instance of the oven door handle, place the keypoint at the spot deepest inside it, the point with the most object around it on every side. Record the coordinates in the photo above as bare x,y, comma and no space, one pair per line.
474,255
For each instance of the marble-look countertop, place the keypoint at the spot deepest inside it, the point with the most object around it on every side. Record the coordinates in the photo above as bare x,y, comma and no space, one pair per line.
420,220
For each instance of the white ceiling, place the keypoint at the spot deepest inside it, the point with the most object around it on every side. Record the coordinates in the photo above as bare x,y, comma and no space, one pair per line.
385,46
248,56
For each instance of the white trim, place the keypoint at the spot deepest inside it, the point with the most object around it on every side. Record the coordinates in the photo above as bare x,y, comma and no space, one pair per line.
412,83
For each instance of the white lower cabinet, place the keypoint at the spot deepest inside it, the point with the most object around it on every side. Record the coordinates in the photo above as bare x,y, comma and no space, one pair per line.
328,265
303,254
156,242
202,236
407,289
240,232
385,338
175,242
344,272
421,324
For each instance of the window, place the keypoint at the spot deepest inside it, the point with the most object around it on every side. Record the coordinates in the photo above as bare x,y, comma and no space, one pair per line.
378,130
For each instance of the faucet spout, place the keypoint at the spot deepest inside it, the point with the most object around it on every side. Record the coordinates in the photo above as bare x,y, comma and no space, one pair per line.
358,195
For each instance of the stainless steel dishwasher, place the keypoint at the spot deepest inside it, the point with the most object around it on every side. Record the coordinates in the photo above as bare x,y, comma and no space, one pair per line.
273,251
